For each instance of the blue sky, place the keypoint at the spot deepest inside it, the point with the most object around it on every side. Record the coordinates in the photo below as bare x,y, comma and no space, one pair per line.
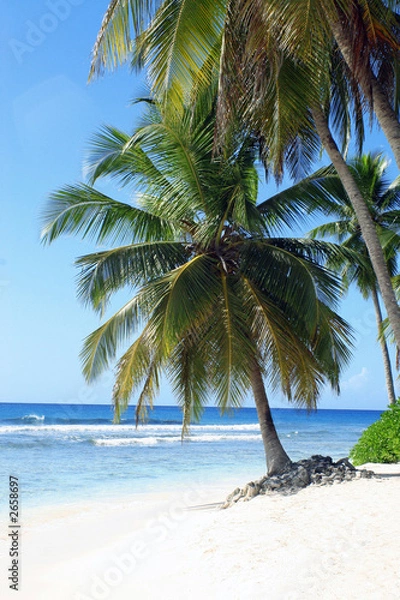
48,114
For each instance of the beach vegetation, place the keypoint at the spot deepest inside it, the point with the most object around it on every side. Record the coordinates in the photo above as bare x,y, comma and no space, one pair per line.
295,73
220,304
380,442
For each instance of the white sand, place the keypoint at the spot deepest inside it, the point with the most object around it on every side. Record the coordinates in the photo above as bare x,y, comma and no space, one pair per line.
340,542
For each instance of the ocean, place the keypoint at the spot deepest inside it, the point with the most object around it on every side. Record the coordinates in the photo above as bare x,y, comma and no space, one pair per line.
68,453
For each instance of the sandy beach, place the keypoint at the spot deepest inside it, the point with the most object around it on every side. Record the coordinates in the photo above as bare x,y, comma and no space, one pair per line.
338,542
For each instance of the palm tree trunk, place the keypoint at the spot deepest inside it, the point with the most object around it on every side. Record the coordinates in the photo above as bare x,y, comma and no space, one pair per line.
276,457
385,351
367,226
371,89
387,118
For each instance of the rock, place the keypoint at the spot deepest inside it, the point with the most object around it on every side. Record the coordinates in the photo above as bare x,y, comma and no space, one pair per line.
346,463
318,470
302,478
365,474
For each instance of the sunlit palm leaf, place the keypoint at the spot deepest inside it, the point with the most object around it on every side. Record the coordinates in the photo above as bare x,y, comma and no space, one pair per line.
132,369
104,273
178,44
189,376
114,40
100,347
191,292
112,154
83,210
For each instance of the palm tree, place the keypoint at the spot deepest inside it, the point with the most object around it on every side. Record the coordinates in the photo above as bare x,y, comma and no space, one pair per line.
367,225
275,60
181,36
383,201
218,304
365,33
287,97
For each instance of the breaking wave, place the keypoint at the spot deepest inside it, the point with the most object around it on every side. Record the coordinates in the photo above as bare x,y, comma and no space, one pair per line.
153,441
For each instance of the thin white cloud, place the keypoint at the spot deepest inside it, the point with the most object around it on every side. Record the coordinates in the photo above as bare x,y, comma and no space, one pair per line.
357,381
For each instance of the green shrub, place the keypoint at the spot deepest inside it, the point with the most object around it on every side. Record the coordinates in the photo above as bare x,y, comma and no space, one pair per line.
380,443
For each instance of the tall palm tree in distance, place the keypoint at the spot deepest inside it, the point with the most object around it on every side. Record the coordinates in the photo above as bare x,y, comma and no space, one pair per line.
218,304
383,201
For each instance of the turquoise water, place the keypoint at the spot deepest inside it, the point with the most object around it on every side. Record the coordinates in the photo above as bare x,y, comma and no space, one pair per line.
65,453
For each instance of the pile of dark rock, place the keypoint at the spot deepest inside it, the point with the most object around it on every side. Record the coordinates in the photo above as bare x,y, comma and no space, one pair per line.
317,470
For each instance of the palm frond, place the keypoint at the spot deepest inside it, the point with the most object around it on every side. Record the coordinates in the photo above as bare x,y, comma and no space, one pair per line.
391,198
113,154
283,118
317,192
190,294
189,376
333,344
287,270
338,230
150,389
100,347
235,350
104,273
114,40
172,152
83,210
132,369
177,45
288,354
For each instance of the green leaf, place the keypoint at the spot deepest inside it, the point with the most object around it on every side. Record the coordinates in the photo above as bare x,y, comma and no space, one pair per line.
84,210
104,273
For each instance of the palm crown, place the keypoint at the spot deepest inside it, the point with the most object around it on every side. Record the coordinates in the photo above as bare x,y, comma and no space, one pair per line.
383,201
217,301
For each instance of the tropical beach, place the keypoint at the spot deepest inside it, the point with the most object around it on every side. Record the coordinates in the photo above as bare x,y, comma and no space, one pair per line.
146,517
200,287
331,542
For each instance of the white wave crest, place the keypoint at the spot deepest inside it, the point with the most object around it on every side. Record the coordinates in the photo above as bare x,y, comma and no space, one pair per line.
153,441
223,437
150,441
126,428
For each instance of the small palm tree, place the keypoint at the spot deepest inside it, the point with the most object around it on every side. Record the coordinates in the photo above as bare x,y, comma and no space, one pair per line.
383,201
218,304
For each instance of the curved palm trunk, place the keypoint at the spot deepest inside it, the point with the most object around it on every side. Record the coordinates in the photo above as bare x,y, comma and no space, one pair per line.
277,459
385,352
386,117
371,88
367,226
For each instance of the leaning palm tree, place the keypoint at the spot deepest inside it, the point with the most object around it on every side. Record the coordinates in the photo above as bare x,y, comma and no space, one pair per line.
184,34
383,201
366,33
218,304
275,61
